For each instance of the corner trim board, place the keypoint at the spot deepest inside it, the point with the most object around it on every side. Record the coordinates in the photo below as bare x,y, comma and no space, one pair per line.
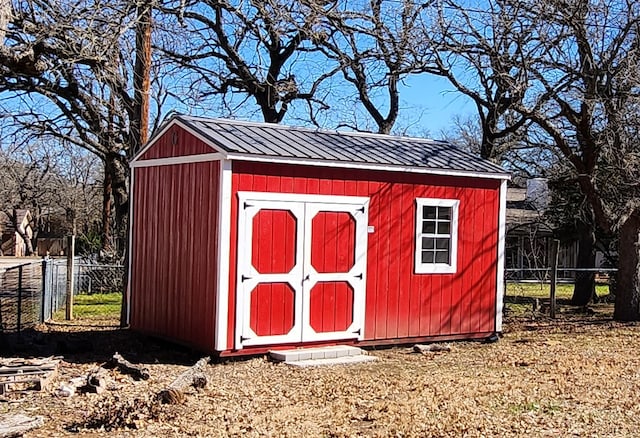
502,226
224,242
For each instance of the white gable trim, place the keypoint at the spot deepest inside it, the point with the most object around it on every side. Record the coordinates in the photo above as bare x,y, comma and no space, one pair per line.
166,128
366,166
185,159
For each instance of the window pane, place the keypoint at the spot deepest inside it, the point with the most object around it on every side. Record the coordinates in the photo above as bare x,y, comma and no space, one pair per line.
444,213
429,212
428,243
443,228
442,244
428,256
442,257
429,227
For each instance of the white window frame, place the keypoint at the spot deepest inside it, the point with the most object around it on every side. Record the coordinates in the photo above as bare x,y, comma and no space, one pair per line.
436,268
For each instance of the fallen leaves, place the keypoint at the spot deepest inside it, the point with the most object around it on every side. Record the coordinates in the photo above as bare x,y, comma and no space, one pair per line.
544,380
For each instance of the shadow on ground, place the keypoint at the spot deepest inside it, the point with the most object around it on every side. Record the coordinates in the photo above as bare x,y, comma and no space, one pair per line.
84,342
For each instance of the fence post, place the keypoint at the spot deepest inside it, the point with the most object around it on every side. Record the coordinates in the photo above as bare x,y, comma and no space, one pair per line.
71,240
19,297
43,303
555,248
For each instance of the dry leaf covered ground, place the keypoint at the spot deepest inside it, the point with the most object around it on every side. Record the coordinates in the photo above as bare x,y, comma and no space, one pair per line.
577,376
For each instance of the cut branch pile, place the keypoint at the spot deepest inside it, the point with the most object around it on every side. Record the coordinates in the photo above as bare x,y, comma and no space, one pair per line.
24,374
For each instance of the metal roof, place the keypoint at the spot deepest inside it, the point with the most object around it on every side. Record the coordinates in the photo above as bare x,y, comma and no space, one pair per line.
280,142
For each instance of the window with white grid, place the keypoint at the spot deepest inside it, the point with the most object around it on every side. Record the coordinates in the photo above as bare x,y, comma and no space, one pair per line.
436,235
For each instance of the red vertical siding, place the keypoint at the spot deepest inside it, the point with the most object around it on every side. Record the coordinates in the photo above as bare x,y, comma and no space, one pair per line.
176,142
400,303
174,257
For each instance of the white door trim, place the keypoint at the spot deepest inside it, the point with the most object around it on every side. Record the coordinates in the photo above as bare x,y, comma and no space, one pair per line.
297,197
304,208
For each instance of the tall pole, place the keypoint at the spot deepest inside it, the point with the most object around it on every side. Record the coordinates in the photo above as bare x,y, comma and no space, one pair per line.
140,119
142,73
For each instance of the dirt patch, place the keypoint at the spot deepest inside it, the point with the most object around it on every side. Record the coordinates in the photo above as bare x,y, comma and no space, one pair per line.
579,375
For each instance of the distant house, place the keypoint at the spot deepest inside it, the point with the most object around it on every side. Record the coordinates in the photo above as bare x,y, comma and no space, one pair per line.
12,242
52,231
529,233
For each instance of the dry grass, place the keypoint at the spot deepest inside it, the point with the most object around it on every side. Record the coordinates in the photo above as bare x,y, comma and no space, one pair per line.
577,376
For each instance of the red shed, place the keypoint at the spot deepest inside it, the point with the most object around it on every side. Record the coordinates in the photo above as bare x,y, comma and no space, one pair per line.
247,237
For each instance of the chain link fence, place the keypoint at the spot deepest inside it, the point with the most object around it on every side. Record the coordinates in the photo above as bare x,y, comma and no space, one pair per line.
536,282
33,292
20,296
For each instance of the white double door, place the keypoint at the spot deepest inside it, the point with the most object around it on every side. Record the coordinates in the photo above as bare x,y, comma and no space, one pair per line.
301,269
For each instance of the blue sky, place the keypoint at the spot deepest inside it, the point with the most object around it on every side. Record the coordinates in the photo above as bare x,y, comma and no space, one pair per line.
434,100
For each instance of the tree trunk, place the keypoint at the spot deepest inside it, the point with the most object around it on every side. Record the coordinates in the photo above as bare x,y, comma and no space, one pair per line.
25,237
116,166
584,290
5,16
106,212
627,307
28,251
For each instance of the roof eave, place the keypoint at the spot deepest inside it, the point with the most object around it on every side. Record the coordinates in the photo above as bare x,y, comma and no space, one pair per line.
369,166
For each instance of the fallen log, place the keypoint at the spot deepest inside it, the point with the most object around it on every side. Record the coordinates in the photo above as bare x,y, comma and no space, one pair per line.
17,425
420,348
137,371
194,376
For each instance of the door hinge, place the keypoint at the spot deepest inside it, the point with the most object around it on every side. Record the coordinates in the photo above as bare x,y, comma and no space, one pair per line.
359,276
245,205
243,278
361,209
242,339
357,332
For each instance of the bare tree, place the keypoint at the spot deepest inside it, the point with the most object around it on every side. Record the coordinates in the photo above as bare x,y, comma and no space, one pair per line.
586,80
484,53
575,76
48,179
67,72
232,52
376,45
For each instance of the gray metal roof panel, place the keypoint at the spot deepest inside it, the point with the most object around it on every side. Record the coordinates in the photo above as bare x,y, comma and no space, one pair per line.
279,141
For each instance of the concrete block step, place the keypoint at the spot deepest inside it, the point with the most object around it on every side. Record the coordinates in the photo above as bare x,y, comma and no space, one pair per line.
316,353
344,360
